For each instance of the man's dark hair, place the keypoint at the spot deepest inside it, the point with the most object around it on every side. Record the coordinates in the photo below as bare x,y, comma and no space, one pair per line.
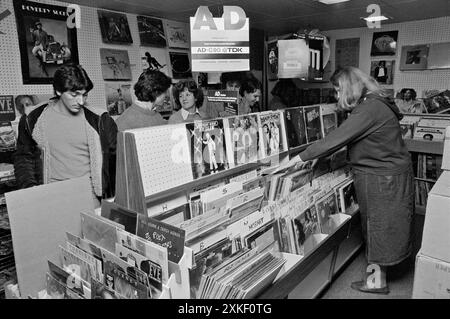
150,85
249,85
71,77
192,87
287,91
231,77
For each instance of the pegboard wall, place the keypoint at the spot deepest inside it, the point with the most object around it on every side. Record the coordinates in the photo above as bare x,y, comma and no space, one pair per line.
156,161
89,44
409,33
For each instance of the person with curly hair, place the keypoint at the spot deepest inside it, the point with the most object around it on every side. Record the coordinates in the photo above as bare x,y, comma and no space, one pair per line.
408,102
188,98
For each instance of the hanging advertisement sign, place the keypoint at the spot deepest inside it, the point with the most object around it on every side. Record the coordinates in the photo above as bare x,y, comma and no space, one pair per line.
293,59
220,44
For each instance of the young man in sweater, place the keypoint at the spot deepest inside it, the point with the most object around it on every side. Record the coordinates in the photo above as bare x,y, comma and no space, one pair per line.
77,139
151,91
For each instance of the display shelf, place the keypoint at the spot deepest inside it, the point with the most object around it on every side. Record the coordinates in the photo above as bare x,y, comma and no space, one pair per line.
214,177
288,281
422,146
130,194
129,185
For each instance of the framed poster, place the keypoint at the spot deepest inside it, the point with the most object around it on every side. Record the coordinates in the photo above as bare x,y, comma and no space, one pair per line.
114,27
151,32
438,56
383,71
384,43
45,42
272,60
414,57
177,34
115,65
181,66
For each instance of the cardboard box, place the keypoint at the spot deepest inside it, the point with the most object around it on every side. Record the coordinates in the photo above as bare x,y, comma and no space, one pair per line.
40,217
431,278
436,234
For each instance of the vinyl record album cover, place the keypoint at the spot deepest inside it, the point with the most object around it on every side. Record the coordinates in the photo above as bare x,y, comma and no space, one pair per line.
313,123
242,134
208,147
151,31
295,127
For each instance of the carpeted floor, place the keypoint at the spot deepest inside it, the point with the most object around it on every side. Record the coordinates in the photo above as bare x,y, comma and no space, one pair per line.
400,277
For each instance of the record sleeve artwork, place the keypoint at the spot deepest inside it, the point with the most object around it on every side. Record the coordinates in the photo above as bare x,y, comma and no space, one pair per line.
271,134
244,137
207,146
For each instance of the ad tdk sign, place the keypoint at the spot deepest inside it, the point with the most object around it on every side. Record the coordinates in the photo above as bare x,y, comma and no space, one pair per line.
220,44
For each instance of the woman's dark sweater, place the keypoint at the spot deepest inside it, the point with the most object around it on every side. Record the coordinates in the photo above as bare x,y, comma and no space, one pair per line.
372,134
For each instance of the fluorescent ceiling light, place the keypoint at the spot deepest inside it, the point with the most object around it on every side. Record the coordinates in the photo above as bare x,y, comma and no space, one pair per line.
376,18
332,1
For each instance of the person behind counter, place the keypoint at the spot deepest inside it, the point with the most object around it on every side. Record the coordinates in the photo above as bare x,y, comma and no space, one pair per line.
151,91
188,97
382,172
250,92
285,94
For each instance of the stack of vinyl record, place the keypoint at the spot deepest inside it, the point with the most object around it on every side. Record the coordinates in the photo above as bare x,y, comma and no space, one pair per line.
242,276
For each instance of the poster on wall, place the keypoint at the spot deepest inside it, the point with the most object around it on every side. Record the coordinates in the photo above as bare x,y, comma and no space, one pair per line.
383,71
45,42
272,60
414,57
115,65
218,45
293,59
151,32
177,34
118,98
114,27
181,66
347,53
154,59
7,110
384,43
